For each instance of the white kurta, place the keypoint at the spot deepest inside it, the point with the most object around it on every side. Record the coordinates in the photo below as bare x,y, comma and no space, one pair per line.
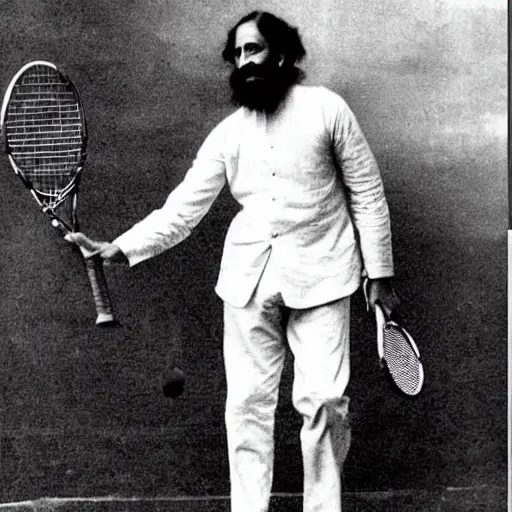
304,178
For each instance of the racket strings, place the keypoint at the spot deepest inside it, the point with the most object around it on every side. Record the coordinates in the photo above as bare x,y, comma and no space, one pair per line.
402,362
44,130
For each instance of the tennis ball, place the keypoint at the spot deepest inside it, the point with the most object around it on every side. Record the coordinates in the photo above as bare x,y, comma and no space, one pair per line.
174,383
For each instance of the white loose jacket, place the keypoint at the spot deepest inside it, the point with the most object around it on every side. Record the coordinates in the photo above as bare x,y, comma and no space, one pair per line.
306,182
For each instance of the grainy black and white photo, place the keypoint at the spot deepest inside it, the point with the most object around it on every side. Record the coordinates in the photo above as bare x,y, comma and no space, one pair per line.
254,256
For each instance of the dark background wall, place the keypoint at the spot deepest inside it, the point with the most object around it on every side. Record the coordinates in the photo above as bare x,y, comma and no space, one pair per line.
81,411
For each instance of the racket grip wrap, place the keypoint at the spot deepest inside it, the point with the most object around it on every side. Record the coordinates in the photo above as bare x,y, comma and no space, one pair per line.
94,267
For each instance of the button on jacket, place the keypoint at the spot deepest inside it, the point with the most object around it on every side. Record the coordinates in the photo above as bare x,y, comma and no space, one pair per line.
304,178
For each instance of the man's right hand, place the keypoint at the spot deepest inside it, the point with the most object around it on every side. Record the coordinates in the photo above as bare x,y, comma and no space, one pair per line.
109,253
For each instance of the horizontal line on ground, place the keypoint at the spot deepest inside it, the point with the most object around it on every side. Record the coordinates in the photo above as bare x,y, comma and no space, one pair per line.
102,499
110,431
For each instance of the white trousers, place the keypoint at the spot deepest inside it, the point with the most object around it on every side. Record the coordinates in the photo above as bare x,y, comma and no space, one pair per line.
254,352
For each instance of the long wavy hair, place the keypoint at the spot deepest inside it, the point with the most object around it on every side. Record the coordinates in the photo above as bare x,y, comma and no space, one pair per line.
282,39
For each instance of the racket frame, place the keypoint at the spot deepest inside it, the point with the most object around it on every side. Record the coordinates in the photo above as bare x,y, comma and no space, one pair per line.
383,323
72,186
93,262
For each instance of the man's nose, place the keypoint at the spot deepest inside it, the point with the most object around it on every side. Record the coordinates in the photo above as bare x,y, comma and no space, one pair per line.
244,59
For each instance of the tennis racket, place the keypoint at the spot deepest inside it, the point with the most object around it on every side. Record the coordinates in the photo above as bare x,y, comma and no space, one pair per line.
45,137
398,353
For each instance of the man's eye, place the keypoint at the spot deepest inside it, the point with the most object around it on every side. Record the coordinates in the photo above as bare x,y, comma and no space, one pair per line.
253,48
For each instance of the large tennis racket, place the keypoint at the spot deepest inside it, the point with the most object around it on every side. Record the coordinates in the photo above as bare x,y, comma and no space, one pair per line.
45,137
398,353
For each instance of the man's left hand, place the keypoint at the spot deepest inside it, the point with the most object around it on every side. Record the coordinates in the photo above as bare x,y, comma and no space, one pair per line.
381,291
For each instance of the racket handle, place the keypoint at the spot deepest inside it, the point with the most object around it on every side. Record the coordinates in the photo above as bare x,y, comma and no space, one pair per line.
94,267
380,317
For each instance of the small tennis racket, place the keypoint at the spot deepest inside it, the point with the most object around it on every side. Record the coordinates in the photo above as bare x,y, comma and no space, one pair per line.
398,353
45,137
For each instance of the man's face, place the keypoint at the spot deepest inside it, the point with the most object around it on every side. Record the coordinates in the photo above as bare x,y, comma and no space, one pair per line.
257,81
250,46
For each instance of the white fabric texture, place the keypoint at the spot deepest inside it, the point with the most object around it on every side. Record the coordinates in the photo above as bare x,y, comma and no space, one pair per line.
304,177
254,353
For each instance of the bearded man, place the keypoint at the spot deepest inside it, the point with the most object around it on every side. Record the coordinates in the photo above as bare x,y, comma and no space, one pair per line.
313,218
